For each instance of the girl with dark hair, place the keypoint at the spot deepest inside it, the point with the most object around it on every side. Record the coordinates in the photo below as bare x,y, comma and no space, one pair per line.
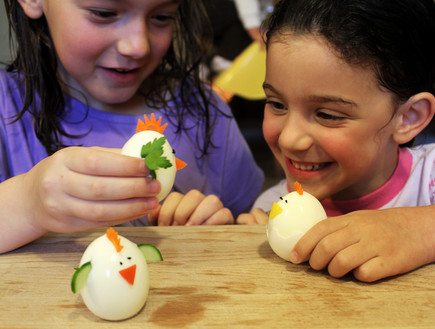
349,84
83,74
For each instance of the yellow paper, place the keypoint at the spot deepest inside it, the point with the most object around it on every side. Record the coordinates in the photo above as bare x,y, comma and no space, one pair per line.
246,74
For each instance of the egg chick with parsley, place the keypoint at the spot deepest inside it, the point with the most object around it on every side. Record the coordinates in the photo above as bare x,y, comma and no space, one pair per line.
150,143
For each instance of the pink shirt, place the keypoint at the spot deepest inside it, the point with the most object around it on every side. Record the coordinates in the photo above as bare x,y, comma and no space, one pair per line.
378,198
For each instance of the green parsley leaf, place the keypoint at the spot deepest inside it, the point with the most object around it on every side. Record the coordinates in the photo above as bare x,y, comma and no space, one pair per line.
152,153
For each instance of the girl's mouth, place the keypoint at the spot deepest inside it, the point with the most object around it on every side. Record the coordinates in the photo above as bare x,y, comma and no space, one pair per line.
308,166
123,70
305,170
122,75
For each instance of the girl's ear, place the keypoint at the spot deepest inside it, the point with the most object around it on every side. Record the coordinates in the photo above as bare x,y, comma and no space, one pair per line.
32,8
414,115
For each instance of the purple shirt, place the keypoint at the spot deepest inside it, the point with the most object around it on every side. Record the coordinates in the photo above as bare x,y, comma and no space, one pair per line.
228,171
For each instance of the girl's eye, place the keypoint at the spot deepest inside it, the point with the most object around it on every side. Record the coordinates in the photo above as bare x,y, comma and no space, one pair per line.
328,119
328,116
102,14
275,105
163,19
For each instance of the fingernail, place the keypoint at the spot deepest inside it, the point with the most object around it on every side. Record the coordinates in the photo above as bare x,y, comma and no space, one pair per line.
152,203
294,257
154,186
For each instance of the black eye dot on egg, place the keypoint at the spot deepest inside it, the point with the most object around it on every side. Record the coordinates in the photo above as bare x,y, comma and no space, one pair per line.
128,258
173,151
280,197
285,201
120,263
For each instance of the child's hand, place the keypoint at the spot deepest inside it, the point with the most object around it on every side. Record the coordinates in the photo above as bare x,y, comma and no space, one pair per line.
80,188
193,208
256,216
374,244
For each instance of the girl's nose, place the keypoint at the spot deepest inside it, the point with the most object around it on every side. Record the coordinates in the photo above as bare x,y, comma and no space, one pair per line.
295,135
134,41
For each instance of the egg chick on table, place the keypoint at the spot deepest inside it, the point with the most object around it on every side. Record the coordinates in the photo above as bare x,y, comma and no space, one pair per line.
290,218
113,276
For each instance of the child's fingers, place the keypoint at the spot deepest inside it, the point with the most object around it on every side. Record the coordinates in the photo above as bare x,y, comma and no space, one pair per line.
222,217
329,247
168,208
349,258
76,215
108,188
205,209
100,162
106,149
188,206
373,270
305,246
261,217
245,219
114,210
256,216
154,215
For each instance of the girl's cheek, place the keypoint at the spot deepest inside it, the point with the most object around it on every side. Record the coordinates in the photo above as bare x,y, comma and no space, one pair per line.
269,133
271,130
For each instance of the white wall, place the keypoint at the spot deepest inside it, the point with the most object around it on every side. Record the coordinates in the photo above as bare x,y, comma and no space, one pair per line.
4,34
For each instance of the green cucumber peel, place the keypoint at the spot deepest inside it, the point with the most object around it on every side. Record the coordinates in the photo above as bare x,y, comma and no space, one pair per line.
151,253
80,277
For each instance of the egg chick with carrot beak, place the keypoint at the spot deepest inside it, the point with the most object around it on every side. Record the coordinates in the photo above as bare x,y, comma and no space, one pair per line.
113,276
290,218
150,143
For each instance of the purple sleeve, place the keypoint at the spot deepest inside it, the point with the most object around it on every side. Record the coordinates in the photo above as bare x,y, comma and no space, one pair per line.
242,178
228,171
20,149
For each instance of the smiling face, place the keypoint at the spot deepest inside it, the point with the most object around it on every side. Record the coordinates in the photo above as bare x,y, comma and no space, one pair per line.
107,48
328,123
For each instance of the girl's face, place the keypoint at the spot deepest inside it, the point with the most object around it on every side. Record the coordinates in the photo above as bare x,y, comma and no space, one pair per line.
107,48
329,124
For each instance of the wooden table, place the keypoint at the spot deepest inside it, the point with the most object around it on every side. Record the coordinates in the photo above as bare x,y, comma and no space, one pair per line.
211,277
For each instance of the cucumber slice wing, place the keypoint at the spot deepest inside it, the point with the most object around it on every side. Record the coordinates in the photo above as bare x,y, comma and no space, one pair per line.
151,253
80,276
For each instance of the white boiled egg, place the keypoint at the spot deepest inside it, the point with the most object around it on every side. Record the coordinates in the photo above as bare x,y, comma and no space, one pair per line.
118,283
166,176
290,218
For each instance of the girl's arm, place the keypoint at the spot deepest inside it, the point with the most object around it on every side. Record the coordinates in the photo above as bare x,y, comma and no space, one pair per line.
16,226
75,189
374,244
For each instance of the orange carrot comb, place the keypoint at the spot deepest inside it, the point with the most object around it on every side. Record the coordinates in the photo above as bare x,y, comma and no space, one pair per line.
112,235
299,188
151,124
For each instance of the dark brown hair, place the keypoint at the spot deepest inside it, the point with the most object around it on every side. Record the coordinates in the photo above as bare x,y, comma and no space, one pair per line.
178,74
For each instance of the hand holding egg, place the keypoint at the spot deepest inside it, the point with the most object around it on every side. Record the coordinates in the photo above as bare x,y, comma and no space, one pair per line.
150,143
290,219
113,276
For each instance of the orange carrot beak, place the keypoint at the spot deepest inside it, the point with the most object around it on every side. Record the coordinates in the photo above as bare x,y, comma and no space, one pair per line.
129,274
180,164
